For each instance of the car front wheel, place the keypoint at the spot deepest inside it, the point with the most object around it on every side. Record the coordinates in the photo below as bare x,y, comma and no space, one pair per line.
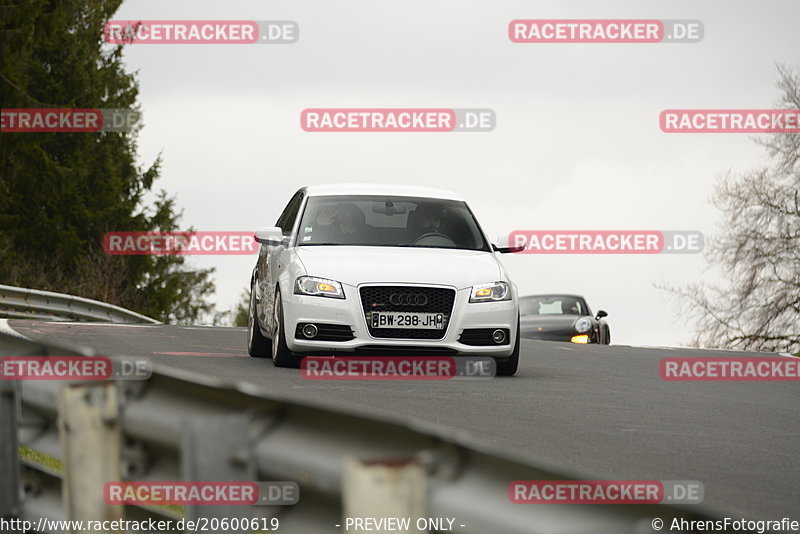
281,355
258,346
509,367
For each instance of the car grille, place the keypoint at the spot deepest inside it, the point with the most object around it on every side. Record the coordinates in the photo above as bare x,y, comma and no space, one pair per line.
379,298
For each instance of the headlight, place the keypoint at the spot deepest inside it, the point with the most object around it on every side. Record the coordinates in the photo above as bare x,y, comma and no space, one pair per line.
492,292
318,287
584,324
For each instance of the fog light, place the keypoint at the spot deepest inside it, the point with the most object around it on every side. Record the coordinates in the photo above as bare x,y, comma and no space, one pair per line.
498,336
580,339
310,331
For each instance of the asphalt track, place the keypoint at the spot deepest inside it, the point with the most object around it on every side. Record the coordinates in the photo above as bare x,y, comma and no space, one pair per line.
595,412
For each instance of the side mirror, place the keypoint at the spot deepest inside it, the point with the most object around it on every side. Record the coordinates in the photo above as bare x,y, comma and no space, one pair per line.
502,245
271,235
601,314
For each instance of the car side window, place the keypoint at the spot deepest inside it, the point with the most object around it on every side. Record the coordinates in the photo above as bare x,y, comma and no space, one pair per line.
289,215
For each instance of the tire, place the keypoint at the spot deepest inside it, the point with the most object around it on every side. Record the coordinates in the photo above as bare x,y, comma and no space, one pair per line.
608,337
281,355
258,346
509,367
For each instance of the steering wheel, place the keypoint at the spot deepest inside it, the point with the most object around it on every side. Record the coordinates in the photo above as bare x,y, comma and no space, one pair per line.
440,236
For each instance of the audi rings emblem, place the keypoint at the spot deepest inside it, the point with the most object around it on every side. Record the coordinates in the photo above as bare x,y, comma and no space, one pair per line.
408,299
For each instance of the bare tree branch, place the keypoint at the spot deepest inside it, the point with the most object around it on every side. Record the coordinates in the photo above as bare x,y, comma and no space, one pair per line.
757,250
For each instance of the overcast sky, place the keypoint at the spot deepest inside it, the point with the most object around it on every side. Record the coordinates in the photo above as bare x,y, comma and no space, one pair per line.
577,143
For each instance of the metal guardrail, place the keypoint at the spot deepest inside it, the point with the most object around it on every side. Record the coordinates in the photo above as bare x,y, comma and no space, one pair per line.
74,437
22,303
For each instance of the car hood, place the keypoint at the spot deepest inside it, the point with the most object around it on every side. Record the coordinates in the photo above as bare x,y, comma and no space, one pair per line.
353,265
548,322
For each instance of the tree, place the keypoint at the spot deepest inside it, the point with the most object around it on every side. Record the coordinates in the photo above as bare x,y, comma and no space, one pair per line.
61,192
758,250
241,313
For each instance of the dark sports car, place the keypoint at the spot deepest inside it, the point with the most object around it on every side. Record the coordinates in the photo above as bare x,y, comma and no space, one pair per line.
562,318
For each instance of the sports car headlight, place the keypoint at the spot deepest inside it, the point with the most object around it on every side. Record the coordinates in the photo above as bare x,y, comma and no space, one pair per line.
318,287
584,324
492,292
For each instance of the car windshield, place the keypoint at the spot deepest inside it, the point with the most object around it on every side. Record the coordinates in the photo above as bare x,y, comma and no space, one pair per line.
552,305
389,221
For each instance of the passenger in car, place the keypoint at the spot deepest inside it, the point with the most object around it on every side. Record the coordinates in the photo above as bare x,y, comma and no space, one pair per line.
343,224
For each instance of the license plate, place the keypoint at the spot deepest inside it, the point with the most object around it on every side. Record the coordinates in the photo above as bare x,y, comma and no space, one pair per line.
416,320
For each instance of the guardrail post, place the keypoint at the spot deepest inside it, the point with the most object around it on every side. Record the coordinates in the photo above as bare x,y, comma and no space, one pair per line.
218,448
9,453
385,488
91,445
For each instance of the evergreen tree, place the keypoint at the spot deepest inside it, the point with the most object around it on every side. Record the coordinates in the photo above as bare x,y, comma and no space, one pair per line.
61,192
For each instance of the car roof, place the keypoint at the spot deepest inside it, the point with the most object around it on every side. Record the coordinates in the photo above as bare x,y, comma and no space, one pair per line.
381,189
553,295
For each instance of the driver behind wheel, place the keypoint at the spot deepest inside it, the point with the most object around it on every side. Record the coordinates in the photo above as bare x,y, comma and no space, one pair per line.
433,220
570,307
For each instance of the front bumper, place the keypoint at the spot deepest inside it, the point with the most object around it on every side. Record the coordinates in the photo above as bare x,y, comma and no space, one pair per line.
348,311
557,335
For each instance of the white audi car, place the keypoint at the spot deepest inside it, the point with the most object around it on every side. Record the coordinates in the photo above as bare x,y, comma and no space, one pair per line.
382,270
